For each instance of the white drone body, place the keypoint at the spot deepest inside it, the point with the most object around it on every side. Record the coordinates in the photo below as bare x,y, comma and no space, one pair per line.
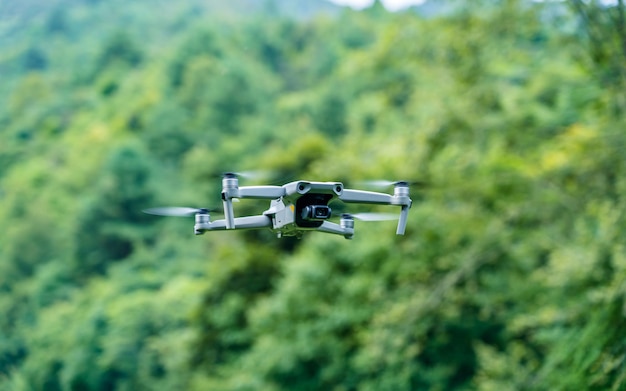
295,207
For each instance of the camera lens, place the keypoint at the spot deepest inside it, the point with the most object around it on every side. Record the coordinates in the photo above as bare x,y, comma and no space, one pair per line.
322,212
316,212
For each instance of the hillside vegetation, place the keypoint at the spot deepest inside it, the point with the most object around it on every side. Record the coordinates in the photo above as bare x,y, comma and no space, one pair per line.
511,275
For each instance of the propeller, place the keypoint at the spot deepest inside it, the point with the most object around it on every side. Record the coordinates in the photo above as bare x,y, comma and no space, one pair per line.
275,177
377,183
254,174
248,174
176,211
370,216
382,183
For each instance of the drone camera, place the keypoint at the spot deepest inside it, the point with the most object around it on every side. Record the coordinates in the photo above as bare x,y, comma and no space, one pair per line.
316,212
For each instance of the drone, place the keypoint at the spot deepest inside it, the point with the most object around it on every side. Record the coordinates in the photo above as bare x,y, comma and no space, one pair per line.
295,208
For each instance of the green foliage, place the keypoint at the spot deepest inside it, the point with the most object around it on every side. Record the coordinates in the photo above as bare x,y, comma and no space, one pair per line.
198,44
111,226
511,273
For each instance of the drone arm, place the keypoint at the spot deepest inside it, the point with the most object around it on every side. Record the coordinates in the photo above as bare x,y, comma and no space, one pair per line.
247,222
332,228
400,198
365,197
269,192
230,192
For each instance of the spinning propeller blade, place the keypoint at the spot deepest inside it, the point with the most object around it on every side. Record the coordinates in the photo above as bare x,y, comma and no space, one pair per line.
254,174
382,183
373,216
378,183
175,211
248,174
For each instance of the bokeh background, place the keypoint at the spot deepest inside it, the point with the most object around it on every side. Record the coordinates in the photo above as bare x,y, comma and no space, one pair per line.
511,275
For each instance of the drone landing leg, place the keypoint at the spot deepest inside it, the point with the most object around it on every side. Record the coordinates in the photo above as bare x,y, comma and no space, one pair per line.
404,215
229,215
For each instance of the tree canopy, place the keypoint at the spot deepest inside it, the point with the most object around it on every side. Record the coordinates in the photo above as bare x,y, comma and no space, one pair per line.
510,275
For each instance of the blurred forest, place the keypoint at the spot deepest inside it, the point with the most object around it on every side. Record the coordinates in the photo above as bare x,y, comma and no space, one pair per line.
512,273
